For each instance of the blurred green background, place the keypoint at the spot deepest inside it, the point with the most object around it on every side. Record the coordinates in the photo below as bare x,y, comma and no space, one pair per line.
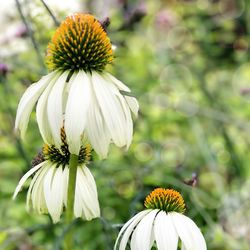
188,64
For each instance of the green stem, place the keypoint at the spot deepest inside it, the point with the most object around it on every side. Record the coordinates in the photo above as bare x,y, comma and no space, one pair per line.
30,33
56,22
73,162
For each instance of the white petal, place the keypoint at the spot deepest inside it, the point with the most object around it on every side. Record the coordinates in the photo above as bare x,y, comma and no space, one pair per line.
32,183
53,192
28,199
65,181
55,108
36,190
111,109
92,202
127,103
86,189
90,181
189,233
25,177
42,115
79,205
96,129
76,111
128,124
28,101
132,102
165,233
57,192
142,237
127,229
47,183
117,82
128,120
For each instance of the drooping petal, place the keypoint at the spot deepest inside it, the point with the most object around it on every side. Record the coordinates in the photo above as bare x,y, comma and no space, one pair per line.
96,129
111,109
128,124
128,120
89,180
47,183
76,110
57,192
79,205
132,102
53,192
118,83
55,108
127,103
86,188
190,234
37,195
25,177
142,237
165,233
127,229
28,101
33,181
65,181
42,114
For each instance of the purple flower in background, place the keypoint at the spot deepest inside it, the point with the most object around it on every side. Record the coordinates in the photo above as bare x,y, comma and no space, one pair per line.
4,69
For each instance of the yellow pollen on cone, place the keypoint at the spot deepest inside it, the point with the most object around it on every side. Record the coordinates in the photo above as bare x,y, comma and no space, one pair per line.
165,199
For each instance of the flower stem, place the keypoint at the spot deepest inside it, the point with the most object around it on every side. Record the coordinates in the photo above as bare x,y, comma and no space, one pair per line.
73,162
30,33
56,22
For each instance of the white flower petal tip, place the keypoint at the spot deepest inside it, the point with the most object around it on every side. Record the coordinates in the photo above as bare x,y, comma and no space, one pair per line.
48,191
164,230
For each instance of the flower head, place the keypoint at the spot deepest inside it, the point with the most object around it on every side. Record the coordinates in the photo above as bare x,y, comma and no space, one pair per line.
79,43
78,94
162,224
167,200
48,189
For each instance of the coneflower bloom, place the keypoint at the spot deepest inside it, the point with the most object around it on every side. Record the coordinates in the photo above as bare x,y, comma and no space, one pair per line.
78,94
161,225
48,189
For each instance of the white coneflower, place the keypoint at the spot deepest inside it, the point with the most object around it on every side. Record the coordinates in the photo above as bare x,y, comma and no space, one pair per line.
78,94
48,189
162,224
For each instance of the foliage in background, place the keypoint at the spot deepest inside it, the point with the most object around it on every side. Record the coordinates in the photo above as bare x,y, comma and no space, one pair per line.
187,62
